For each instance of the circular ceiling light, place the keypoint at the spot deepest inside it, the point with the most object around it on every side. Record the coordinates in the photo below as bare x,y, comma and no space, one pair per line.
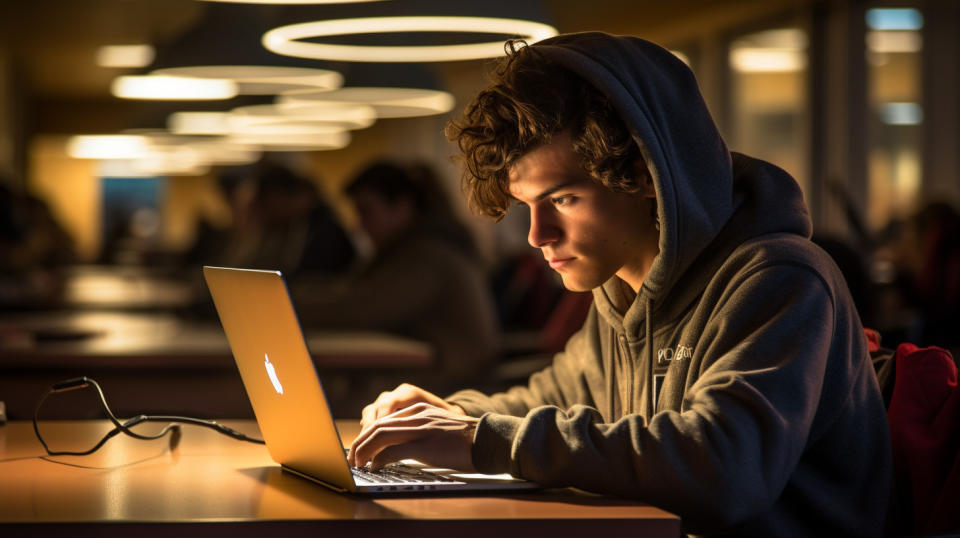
293,142
199,123
284,128
172,160
107,146
197,150
172,88
135,56
276,119
343,115
288,40
227,154
260,79
387,102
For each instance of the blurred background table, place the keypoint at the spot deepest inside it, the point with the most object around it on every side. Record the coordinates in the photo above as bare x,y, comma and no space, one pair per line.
215,485
142,358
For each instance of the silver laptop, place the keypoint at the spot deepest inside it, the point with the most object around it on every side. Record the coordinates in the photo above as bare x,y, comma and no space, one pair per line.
288,400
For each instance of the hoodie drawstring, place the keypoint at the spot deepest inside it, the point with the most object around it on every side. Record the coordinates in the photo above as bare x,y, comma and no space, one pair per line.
611,387
651,403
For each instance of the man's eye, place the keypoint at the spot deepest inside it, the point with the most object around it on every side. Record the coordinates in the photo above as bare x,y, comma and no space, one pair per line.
561,200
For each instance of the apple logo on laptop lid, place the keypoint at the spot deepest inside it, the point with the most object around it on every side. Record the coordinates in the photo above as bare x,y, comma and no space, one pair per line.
272,374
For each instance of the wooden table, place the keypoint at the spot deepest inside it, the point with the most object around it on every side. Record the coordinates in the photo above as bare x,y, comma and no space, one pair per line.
214,485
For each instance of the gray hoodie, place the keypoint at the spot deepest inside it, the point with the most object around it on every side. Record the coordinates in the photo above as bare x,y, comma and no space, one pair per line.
735,389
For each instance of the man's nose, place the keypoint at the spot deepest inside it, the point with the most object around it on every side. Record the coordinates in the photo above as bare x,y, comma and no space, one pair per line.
543,228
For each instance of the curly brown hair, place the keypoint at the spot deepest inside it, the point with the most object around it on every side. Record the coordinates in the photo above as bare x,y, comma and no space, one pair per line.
529,101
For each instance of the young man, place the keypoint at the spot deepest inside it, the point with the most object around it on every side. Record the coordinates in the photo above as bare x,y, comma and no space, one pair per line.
722,372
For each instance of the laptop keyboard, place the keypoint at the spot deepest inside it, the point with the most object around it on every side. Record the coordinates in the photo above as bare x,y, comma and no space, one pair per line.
398,473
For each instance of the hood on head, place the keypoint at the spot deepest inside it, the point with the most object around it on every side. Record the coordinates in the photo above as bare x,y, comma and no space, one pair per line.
698,194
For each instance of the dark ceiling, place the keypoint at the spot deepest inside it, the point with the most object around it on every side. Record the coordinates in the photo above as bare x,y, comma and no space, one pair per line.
50,45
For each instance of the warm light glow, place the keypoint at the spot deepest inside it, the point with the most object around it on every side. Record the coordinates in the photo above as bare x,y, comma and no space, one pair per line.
261,79
125,56
242,127
199,123
767,60
287,142
343,115
274,119
173,88
777,38
107,147
287,39
172,161
150,153
119,168
172,154
777,50
388,102
894,41
224,153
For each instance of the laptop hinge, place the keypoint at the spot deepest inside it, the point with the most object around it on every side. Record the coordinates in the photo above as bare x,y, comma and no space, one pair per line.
314,479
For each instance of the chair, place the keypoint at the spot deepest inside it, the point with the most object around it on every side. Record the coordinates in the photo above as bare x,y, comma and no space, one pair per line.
924,417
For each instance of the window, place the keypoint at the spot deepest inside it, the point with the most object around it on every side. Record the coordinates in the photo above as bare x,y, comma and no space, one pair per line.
768,99
894,44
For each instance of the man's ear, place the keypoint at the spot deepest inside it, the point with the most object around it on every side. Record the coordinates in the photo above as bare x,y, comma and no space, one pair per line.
642,173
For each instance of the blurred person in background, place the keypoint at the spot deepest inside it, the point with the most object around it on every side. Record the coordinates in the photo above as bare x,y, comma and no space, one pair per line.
34,250
425,279
236,187
279,221
925,254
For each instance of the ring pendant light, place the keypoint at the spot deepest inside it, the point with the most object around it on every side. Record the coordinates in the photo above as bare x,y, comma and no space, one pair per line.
199,123
387,102
163,87
260,79
201,150
346,115
107,146
286,40
293,142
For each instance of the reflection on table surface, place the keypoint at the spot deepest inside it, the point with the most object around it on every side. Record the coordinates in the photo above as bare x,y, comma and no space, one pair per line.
112,312
210,477
126,287
73,335
158,363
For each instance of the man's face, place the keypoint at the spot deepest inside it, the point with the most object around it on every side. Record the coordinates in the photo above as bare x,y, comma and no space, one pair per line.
382,220
586,232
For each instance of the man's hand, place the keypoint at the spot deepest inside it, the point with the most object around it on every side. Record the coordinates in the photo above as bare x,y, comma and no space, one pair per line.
430,434
403,396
